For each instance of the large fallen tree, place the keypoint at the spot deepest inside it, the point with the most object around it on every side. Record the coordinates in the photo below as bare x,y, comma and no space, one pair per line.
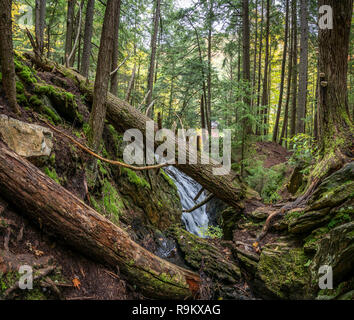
60,213
123,116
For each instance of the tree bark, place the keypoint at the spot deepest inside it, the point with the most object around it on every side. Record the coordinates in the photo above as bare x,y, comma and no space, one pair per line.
114,77
294,75
258,129
86,53
335,125
302,94
40,9
246,62
266,67
69,31
210,32
60,213
288,91
7,55
98,112
150,83
283,67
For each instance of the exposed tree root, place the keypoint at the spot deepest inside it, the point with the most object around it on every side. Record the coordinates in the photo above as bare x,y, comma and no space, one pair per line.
330,163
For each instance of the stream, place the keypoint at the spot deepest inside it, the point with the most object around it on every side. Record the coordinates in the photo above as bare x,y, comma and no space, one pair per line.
196,221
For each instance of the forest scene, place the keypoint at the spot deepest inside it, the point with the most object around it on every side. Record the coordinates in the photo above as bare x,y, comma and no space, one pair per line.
176,150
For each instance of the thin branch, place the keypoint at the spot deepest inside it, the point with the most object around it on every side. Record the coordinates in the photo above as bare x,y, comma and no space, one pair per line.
143,102
207,199
112,162
77,37
116,70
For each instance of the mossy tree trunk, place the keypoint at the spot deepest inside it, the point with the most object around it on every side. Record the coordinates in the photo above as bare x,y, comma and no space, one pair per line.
59,212
7,55
335,125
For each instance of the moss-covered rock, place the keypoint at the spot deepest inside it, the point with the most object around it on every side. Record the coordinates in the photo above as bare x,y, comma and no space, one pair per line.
62,101
335,189
309,221
228,221
282,272
202,254
336,249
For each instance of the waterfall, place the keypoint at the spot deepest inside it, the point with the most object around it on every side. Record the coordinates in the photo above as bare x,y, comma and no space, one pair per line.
197,220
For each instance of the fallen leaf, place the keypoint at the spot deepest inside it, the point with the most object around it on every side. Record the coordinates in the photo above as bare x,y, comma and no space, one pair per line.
38,253
76,283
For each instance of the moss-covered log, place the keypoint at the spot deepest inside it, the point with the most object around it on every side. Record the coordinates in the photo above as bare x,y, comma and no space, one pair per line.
59,212
123,116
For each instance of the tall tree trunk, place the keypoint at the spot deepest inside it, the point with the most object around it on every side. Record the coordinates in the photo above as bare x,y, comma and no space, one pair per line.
255,57
69,31
302,94
283,67
258,130
98,113
246,61
40,9
266,67
295,66
114,77
335,126
210,32
86,53
7,55
288,91
150,83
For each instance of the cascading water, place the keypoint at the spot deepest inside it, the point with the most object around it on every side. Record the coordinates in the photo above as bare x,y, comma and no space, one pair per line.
196,221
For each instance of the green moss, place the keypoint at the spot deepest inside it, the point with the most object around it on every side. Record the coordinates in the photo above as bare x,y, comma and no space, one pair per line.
111,204
8,280
292,216
140,182
63,101
283,271
35,294
51,173
168,180
102,168
51,114
339,218
24,72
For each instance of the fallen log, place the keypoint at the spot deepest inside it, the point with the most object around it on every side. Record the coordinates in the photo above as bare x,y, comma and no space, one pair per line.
123,116
59,212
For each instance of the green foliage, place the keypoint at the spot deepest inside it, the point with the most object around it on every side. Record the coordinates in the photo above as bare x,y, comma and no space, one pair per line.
338,219
51,173
213,232
305,151
266,181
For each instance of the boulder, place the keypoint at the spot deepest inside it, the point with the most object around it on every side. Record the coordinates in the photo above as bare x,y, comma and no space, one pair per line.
27,140
336,249
282,273
335,189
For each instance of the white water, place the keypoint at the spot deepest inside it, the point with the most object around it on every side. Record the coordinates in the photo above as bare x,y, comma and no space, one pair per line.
197,220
